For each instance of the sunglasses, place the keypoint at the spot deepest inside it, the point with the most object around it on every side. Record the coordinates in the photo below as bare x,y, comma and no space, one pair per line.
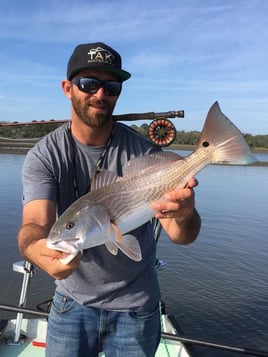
92,85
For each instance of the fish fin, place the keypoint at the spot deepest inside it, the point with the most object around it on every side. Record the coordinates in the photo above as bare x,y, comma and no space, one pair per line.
116,237
112,247
229,144
103,178
141,163
117,234
130,246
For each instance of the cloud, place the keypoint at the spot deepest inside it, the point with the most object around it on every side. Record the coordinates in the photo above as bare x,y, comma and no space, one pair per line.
197,51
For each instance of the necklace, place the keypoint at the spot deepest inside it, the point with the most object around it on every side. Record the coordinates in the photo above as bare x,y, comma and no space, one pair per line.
98,163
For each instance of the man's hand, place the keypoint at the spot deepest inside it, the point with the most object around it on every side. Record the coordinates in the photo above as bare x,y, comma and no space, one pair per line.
37,219
49,259
178,215
178,203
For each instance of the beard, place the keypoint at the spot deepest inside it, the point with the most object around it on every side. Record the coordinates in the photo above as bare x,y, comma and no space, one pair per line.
85,111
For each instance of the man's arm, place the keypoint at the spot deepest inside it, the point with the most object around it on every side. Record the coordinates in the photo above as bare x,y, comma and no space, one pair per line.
38,217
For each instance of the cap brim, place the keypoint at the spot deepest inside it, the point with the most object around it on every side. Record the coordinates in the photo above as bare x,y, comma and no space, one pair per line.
120,73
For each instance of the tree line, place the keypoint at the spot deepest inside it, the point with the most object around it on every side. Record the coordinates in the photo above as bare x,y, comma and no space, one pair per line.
191,137
182,138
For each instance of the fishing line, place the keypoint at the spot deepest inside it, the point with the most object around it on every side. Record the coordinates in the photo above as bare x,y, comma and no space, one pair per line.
99,162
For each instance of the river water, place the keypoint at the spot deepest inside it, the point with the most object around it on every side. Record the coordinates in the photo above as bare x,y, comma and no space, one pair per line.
217,287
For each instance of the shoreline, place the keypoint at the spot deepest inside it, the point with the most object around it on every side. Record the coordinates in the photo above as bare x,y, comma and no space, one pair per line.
192,147
22,149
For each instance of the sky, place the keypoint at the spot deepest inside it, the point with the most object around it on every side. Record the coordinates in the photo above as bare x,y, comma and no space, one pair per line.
182,54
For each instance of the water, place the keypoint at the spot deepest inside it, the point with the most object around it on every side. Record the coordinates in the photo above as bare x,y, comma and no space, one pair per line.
217,287
10,217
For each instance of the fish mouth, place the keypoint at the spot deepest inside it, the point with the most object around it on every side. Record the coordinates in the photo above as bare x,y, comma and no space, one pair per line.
58,241
65,245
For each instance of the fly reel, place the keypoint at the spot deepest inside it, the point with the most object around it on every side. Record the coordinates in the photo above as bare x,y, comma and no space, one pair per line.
162,132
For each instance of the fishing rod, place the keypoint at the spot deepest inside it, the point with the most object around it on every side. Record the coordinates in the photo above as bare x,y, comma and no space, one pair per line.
24,310
162,131
149,115
187,340
119,117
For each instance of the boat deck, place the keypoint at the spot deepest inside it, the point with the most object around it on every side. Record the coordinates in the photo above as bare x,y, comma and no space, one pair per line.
34,344
166,348
25,350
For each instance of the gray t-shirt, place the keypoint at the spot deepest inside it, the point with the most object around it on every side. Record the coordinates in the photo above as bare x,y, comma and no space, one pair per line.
102,280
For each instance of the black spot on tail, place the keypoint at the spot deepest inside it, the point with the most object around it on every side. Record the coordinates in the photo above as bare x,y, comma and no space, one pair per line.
205,144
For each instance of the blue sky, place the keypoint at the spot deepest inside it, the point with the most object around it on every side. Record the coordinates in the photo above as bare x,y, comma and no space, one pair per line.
183,54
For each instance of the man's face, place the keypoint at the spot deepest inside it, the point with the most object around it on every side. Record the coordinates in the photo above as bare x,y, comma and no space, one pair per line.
96,109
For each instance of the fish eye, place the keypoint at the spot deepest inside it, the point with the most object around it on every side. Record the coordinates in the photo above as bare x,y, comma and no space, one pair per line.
69,225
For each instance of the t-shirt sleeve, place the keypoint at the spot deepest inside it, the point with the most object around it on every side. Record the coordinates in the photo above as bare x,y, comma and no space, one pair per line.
38,178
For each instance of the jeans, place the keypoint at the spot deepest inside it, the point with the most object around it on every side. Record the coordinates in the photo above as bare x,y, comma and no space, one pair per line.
75,330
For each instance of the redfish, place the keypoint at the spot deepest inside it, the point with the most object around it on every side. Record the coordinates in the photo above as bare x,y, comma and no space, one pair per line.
116,205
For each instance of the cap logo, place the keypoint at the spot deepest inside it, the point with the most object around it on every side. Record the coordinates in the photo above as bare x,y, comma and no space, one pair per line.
101,55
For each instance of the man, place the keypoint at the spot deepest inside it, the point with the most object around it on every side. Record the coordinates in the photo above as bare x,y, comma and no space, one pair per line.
102,302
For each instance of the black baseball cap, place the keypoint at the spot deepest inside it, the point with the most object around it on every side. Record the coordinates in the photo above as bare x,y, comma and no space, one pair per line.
96,56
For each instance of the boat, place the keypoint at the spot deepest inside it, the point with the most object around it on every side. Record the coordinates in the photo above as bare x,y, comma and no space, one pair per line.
25,335
33,332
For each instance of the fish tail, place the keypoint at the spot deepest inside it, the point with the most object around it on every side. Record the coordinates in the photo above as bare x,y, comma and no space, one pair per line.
227,144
